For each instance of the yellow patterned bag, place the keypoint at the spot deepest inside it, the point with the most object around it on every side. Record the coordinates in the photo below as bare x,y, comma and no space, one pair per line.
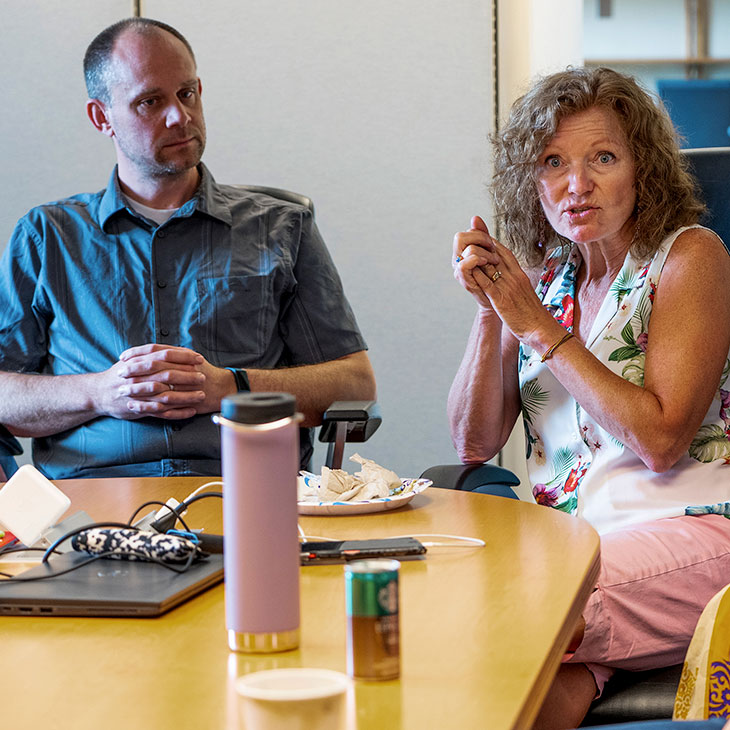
704,689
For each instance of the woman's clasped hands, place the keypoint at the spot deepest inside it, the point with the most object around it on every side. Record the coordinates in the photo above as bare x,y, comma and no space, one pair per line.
490,272
476,260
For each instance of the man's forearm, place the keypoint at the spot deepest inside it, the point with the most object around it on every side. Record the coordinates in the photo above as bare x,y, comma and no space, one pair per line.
316,387
40,405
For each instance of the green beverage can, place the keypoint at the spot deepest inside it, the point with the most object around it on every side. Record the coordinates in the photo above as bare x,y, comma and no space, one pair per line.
373,631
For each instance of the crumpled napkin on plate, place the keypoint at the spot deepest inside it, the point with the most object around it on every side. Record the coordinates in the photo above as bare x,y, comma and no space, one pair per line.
336,485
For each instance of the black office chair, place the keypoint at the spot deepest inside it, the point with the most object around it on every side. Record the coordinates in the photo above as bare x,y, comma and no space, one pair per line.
9,449
481,478
711,167
344,421
347,422
280,193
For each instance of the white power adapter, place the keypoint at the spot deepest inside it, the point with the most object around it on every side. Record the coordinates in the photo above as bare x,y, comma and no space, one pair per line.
146,522
30,504
172,503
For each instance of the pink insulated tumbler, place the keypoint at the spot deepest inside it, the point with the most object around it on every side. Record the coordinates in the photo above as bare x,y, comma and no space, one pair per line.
260,448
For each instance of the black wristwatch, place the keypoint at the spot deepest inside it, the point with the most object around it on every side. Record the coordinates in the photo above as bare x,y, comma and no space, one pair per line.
241,377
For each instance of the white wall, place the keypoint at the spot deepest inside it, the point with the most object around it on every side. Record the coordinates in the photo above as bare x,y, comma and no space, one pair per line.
536,37
47,147
379,111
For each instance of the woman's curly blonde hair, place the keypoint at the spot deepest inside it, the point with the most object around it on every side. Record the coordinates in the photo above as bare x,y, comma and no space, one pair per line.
666,193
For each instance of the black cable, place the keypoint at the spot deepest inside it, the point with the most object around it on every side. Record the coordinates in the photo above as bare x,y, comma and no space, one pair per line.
93,559
163,524
20,579
176,512
25,550
76,531
203,495
208,542
173,513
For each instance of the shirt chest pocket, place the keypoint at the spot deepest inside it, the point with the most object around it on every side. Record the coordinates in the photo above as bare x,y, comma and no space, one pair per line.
236,315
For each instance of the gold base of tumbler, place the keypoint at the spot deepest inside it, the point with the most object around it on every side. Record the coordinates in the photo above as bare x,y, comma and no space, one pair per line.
263,643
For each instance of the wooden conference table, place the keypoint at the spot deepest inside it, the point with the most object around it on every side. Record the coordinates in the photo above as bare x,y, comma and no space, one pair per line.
482,629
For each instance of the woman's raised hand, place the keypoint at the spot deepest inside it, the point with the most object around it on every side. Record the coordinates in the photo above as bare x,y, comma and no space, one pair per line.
475,251
490,272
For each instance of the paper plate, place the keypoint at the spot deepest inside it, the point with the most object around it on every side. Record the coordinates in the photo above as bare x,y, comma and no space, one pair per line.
414,487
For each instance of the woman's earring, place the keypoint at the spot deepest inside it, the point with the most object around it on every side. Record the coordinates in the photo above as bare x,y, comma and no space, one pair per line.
541,233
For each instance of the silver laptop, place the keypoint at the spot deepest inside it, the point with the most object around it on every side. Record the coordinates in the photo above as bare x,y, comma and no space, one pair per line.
106,587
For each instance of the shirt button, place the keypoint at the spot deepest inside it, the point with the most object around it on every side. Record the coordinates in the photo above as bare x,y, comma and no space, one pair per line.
164,332
176,427
160,234
162,284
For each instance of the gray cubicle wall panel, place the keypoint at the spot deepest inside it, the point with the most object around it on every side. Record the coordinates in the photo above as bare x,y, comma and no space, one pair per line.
49,148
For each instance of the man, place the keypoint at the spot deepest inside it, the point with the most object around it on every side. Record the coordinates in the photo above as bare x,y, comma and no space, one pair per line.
127,315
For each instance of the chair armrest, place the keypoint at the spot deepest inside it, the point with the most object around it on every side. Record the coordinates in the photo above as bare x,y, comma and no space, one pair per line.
280,193
9,448
8,443
468,477
362,417
347,421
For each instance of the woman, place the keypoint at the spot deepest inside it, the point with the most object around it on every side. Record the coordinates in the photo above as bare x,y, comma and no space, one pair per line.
605,321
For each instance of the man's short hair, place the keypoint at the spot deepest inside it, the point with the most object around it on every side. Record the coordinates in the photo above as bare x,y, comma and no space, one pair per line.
97,59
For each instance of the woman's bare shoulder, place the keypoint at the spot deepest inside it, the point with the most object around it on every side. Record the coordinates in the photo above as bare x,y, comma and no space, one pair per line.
699,257
700,242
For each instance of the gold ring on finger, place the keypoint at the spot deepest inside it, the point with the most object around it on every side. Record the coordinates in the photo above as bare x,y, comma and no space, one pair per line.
496,275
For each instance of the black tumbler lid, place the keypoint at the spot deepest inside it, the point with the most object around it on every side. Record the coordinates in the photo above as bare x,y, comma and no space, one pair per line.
258,407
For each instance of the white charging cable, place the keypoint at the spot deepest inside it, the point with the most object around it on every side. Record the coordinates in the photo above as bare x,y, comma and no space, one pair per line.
200,489
459,540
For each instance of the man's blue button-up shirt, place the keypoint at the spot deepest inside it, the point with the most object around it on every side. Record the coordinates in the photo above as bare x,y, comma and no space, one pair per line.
244,279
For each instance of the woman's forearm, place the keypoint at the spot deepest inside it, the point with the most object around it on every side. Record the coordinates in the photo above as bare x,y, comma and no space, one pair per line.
483,401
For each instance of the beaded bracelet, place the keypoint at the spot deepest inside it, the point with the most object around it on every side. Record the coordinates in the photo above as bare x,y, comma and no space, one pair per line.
549,352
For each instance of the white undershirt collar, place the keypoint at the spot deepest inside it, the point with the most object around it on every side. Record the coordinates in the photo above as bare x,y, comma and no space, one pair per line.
158,215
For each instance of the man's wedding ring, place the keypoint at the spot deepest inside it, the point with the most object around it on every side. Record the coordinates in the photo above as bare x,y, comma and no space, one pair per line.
495,275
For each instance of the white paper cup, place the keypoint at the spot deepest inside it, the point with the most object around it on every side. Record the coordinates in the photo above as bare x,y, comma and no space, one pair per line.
293,699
